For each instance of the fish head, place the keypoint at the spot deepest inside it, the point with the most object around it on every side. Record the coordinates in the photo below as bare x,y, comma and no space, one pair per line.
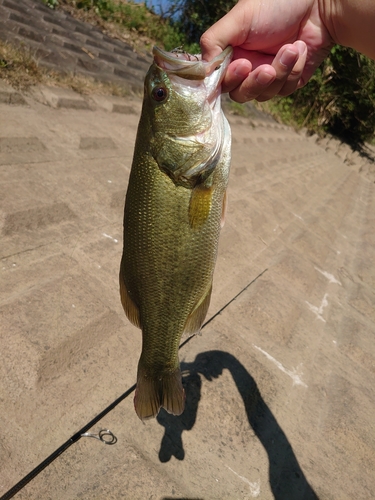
182,100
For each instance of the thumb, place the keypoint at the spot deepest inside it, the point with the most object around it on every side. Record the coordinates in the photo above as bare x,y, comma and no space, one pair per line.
212,44
232,29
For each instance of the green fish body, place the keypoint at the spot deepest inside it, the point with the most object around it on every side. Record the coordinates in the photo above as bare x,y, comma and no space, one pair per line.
174,210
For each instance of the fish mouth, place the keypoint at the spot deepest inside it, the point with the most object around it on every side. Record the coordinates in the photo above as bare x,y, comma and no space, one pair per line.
192,67
189,74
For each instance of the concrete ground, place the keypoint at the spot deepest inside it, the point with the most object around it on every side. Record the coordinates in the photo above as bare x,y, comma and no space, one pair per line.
280,385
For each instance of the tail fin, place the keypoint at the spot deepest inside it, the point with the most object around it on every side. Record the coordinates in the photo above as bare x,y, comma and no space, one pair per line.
160,392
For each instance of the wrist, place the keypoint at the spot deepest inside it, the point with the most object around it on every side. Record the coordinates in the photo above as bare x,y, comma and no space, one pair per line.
350,23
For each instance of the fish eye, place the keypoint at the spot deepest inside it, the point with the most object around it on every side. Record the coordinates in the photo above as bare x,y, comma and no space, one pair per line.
159,94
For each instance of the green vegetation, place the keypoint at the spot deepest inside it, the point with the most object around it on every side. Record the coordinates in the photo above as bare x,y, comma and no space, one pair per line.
194,17
235,108
52,4
339,99
134,17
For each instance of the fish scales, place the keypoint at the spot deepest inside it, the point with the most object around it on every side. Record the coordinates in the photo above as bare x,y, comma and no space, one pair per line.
171,229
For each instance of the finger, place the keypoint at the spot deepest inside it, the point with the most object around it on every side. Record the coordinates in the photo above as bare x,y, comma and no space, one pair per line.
294,79
237,72
314,60
244,61
256,84
269,74
283,63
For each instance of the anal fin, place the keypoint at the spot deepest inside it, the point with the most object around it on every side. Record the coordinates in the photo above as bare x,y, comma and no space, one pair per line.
131,310
196,317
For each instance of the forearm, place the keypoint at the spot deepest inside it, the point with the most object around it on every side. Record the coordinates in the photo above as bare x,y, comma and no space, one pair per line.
351,23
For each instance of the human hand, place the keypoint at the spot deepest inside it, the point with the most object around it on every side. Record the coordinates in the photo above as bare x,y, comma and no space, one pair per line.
277,46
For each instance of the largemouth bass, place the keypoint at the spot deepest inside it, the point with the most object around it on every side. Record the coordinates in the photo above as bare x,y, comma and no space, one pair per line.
174,209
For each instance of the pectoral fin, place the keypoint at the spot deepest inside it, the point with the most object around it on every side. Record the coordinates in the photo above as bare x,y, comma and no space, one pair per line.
200,205
196,318
131,310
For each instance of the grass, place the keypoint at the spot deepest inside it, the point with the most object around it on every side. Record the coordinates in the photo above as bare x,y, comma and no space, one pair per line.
19,68
133,22
237,109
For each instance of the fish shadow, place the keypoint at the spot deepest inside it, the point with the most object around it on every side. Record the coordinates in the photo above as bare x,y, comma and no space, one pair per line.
286,478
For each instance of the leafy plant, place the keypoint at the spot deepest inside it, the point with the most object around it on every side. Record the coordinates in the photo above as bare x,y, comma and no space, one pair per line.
235,108
52,4
194,17
339,99
135,17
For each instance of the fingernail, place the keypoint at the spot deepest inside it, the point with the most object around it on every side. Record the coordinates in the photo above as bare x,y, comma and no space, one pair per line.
264,78
288,58
301,46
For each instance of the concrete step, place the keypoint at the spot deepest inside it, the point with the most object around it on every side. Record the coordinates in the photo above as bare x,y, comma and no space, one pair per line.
60,42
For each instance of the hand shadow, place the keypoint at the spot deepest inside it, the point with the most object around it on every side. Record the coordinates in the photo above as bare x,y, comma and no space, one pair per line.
286,477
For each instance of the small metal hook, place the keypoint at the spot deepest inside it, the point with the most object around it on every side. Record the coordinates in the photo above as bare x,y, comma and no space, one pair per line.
105,436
